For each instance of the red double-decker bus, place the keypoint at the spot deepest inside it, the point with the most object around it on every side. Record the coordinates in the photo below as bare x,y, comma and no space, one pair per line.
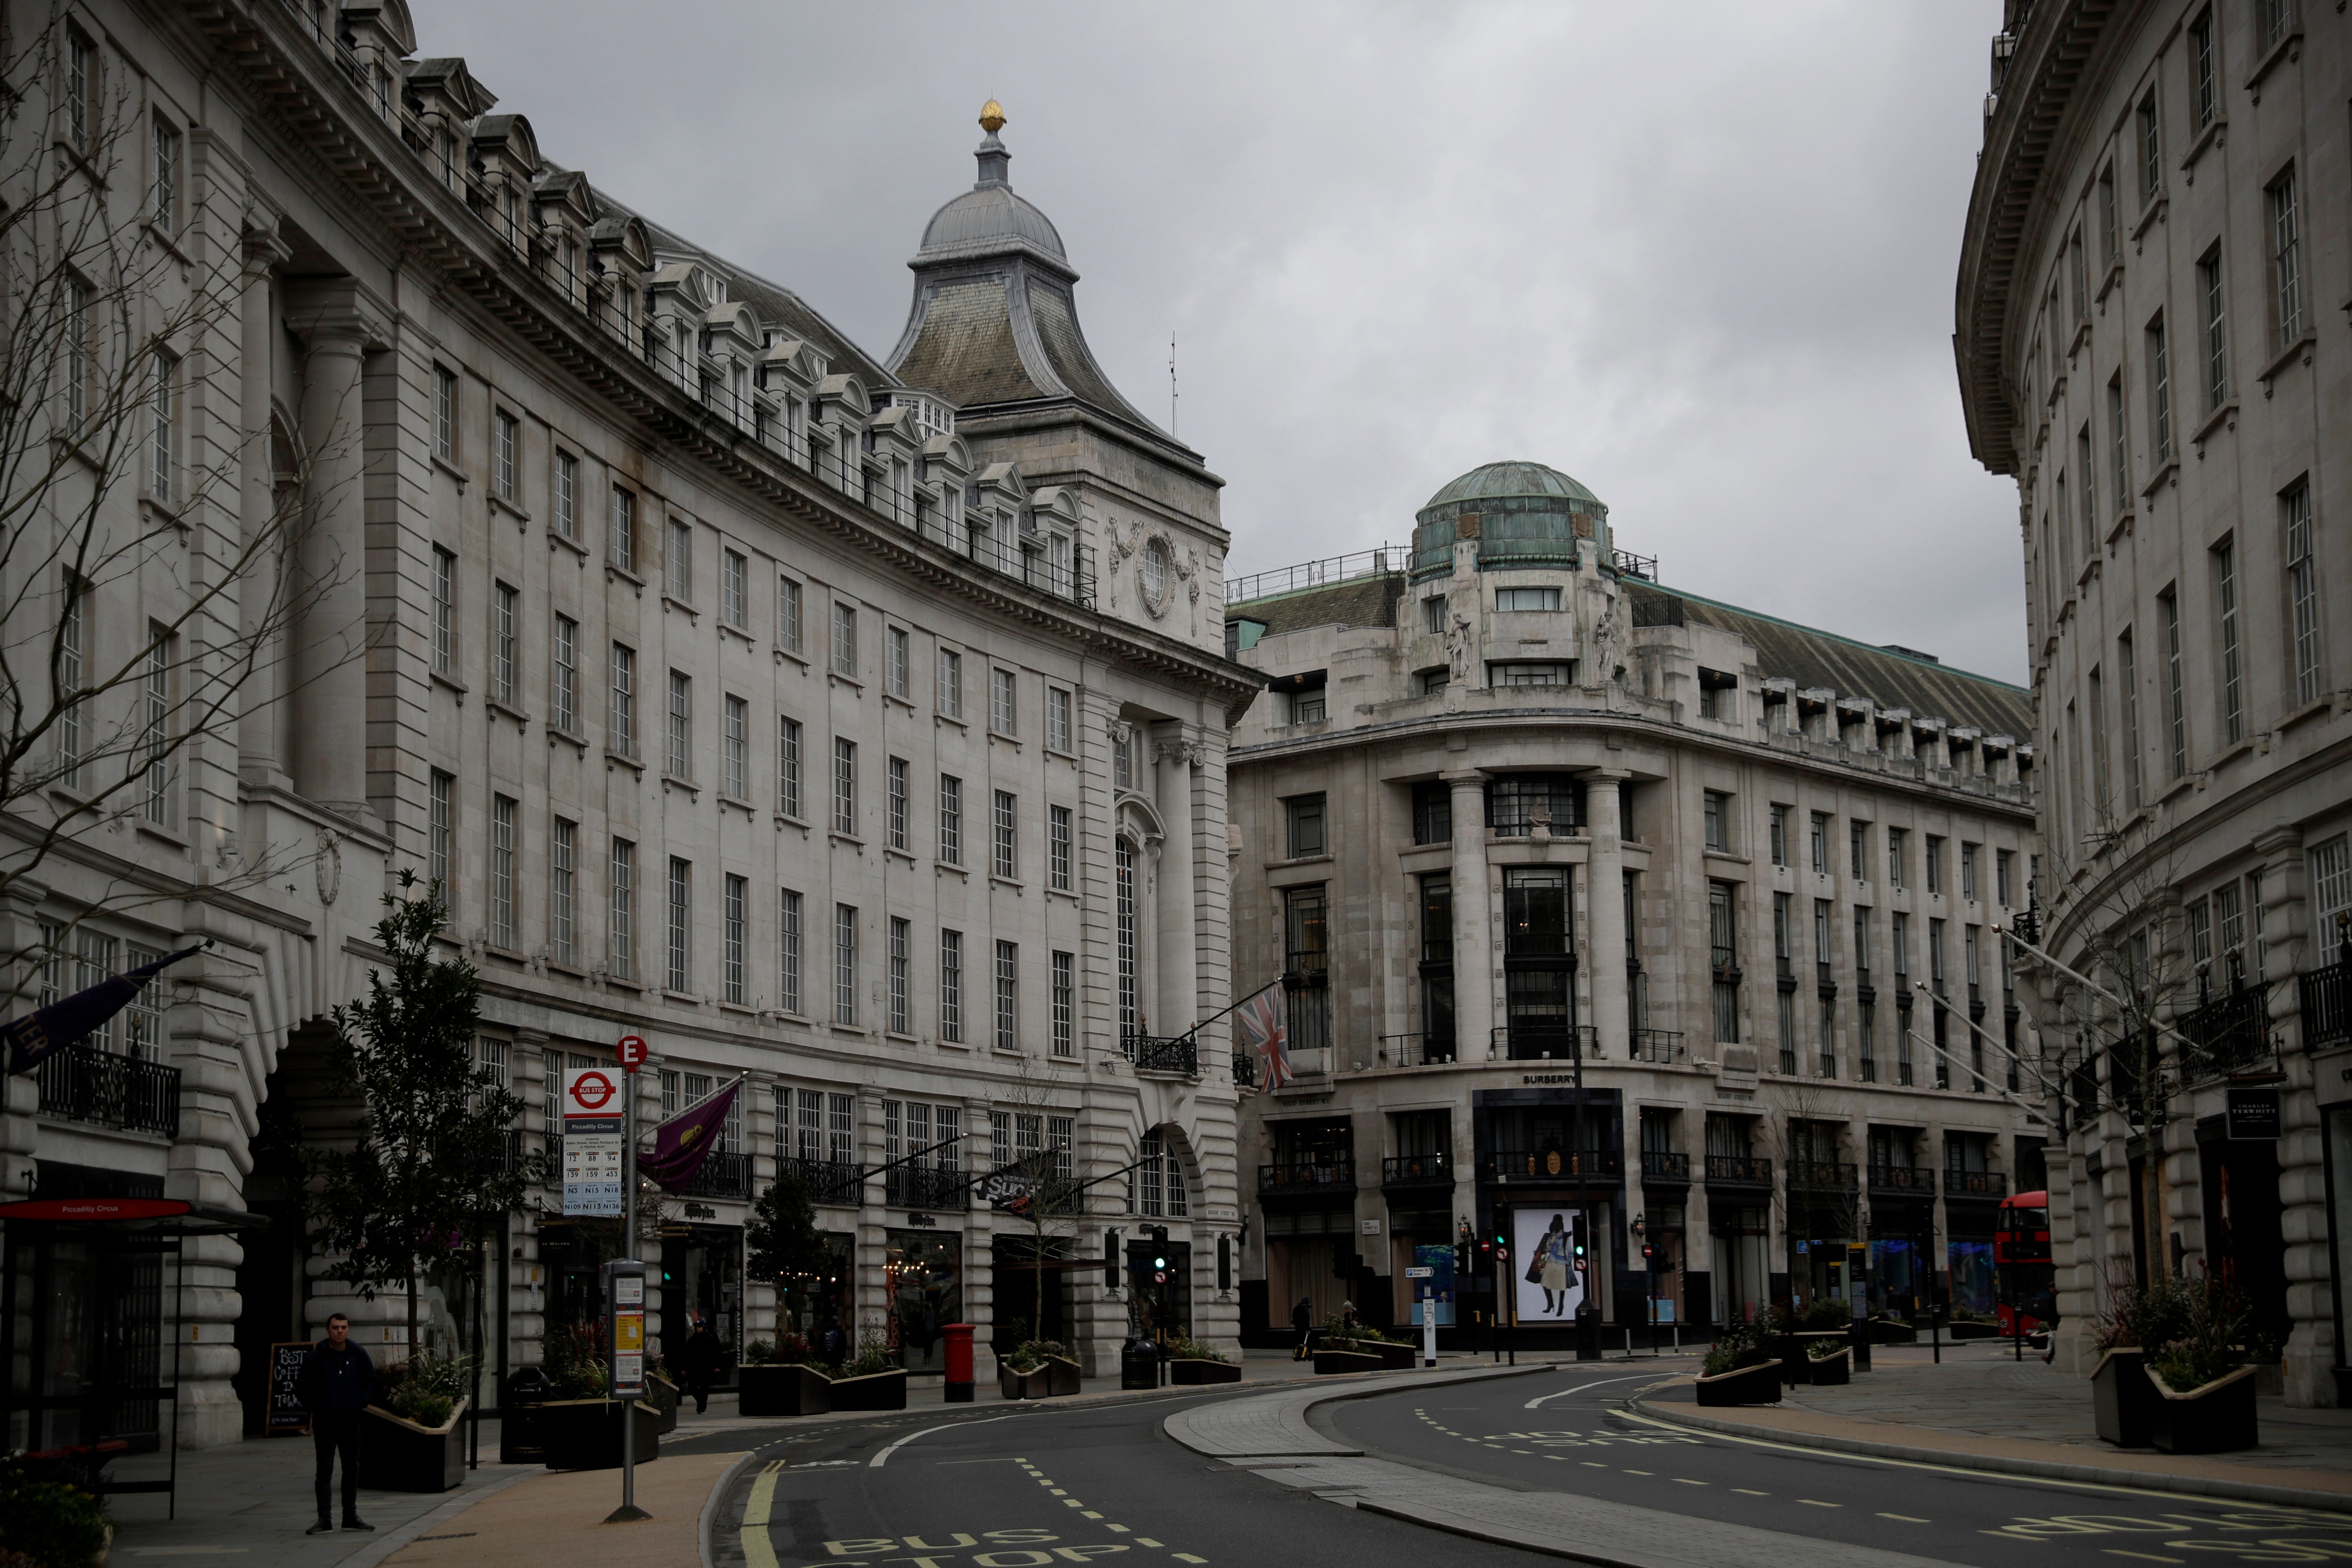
2020,1255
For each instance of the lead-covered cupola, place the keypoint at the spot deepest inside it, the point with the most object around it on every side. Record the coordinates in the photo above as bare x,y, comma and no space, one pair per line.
994,321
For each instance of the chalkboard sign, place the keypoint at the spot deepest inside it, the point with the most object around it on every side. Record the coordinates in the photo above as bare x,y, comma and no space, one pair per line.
286,1417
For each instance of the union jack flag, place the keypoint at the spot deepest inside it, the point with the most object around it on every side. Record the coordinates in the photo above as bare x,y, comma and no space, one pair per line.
1265,1031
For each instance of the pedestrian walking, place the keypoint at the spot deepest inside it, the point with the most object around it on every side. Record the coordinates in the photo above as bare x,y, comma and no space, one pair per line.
697,1363
335,1384
2044,1308
1302,1318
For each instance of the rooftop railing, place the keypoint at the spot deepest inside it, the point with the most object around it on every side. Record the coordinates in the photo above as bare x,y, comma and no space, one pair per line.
1378,562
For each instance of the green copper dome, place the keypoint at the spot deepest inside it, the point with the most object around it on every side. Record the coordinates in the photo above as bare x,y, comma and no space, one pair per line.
1523,515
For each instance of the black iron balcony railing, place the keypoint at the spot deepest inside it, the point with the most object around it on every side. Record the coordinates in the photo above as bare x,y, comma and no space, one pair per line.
2230,1034
1245,1070
1547,1042
1336,1174
1738,1171
1417,1170
2327,1006
1415,1050
1821,1175
507,1155
1664,1165
1662,1047
1555,1163
723,1175
85,1085
1976,1184
1898,1180
1178,1054
922,1187
829,1181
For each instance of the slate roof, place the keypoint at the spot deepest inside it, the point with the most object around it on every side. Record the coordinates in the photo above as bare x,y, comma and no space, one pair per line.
1358,602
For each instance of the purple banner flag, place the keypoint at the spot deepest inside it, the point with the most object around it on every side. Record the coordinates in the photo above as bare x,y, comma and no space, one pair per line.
683,1142
52,1028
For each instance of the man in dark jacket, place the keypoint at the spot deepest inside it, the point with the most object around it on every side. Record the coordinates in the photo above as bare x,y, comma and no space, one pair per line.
335,1384
697,1363
1302,1318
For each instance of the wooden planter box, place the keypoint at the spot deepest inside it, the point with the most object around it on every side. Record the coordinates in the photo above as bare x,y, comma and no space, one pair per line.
1061,1375
1832,1370
1392,1356
1037,1383
2123,1401
1328,1363
774,1389
1796,1366
1189,1373
1885,1332
1750,1385
396,1455
662,1395
2217,1418
586,1434
875,1390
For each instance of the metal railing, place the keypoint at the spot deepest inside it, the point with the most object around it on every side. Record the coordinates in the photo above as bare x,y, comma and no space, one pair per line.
1163,1053
1417,1170
828,1181
1919,1180
2228,1035
1821,1175
723,1175
1415,1050
1664,1165
1244,1070
1976,1184
1309,1176
1378,562
923,1187
1547,1042
1555,1163
85,1085
1738,1171
1658,1045
2327,1006
1629,564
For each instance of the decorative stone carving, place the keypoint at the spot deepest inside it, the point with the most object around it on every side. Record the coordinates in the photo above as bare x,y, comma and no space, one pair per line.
328,866
1457,648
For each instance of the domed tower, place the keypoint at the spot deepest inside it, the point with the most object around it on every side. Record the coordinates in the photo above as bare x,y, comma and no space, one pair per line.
993,329
1520,514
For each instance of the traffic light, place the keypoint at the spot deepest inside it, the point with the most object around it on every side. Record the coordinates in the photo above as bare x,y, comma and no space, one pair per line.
1576,1239
1464,1258
1160,1271
1502,1247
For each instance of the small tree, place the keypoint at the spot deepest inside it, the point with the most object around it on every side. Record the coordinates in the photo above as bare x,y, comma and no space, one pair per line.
430,1162
782,1241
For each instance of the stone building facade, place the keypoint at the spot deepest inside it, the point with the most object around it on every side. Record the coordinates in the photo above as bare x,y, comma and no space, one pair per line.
854,727
2150,342
1594,903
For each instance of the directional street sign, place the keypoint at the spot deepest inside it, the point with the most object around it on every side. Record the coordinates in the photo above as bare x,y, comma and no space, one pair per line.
1421,1273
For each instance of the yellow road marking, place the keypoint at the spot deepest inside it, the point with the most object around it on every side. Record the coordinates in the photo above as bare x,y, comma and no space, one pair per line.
1685,1480
1813,1502
1632,1472
1120,1528
1089,1514
1145,1541
1595,1465
759,1552
1187,1557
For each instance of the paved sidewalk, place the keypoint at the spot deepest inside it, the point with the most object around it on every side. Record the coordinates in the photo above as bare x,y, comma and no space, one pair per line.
1983,1410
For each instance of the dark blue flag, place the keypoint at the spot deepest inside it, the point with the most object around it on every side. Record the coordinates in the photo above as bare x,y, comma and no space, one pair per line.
41,1034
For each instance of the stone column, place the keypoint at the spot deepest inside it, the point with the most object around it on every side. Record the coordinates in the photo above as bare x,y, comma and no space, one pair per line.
1179,988
338,326
1473,925
1604,884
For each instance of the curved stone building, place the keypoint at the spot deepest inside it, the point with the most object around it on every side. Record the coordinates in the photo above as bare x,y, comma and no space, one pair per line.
2150,336
1599,907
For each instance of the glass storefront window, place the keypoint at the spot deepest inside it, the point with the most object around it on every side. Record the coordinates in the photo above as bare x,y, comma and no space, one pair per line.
923,1272
1972,1276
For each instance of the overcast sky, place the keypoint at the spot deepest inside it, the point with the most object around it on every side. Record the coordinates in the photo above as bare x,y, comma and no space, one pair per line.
1704,264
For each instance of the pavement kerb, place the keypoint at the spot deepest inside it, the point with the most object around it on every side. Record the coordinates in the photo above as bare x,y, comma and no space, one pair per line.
1526,1540
392,1540
1377,1383
709,1519
2045,1470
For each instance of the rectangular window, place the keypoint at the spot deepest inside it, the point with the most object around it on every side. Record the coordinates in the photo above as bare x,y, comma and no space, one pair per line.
1003,712
901,934
440,831
1057,848
1307,936
2176,697
444,414
2127,689
2110,235
2204,87
2217,343
1716,807
567,495
1304,816
1122,761
1820,844
1005,821
951,984
1524,599
621,530
1857,835
81,350
680,760
621,899
1723,935
1432,616
845,640
1935,866
2100,802
1895,844
680,975
788,615
2159,394
788,951
2118,446
738,741
502,869
788,767
162,413
844,787
1057,719
507,437
563,684
2151,151
155,727
1969,870
503,602
677,562
2330,865
1008,996
2302,592
2286,258
624,738
1065,1003
563,841
896,655
444,611
952,819
950,683
734,606
1432,813
1779,835
2225,614
2090,484
896,769
732,954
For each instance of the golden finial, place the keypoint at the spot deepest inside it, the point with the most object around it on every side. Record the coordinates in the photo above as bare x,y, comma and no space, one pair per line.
992,117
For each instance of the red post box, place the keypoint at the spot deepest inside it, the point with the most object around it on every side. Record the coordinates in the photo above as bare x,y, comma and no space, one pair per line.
959,1337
